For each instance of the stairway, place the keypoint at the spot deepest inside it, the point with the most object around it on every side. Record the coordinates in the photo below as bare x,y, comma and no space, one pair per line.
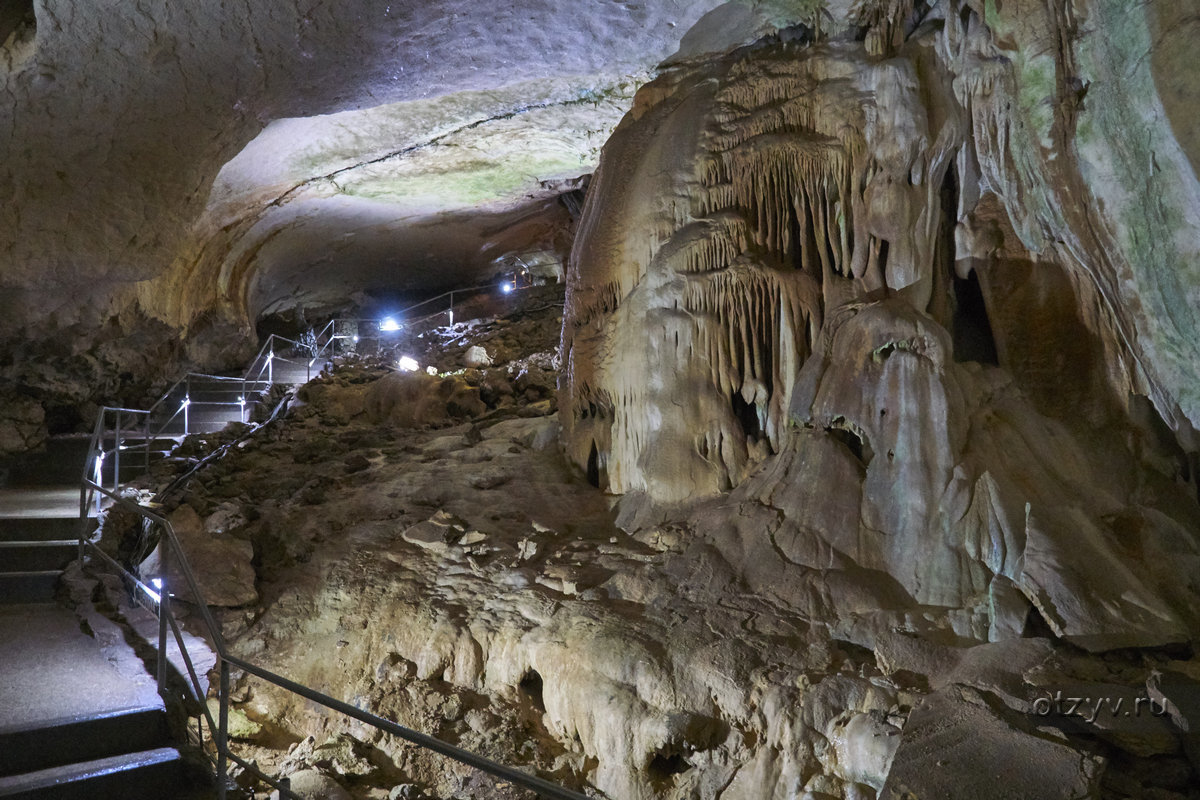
124,753
33,554
79,715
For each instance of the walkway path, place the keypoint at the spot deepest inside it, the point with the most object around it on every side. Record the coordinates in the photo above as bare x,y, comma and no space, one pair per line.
80,715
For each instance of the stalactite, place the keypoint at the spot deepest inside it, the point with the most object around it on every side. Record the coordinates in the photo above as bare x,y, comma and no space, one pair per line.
779,215
885,21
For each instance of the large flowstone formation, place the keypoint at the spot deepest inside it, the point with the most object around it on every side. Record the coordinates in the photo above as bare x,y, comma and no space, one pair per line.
873,441
868,277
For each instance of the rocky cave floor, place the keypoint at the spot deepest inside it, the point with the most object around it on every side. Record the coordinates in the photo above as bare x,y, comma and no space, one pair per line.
417,545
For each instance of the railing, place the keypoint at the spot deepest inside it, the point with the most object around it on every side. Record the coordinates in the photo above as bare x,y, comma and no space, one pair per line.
159,592
114,423
173,414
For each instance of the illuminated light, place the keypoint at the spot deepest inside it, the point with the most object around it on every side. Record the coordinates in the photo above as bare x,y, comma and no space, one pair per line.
356,339
506,287
409,364
431,370
389,325
153,595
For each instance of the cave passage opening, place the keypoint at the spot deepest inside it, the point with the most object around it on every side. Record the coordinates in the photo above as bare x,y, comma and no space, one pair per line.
972,330
19,17
532,687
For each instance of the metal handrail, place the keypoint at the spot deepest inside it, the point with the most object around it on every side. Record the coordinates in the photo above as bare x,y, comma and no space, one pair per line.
154,425
172,552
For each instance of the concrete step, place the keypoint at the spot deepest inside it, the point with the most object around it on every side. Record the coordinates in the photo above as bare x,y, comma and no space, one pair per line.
27,529
146,775
59,462
216,395
134,442
204,425
53,554
36,586
70,740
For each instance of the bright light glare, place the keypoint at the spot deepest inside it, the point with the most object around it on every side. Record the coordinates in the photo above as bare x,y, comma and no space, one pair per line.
155,596
409,364
389,324
432,370
506,287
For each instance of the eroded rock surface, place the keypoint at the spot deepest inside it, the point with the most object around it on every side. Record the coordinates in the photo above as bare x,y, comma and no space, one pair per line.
469,583
838,282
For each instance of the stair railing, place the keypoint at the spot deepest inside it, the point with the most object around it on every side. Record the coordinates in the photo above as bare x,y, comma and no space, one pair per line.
159,592
178,401
115,426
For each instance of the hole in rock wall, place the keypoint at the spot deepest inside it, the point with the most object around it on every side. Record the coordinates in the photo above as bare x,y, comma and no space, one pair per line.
593,467
18,33
973,339
531,687
573,202
964,16
747,416
666,764
17,17
853,440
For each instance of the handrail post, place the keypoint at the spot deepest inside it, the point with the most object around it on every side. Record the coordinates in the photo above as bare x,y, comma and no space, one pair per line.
223,731
452,307
164,608
117,453
98,469
147,441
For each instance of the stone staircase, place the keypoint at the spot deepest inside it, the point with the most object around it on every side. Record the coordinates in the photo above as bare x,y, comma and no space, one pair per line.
123,753
33,555
80,717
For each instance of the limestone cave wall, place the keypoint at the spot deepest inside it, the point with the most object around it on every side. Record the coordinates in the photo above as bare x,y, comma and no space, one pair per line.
917,281
122,230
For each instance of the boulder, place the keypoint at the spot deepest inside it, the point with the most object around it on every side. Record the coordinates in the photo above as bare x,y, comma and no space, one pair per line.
476,357
957,744
221,564
311,784
416,399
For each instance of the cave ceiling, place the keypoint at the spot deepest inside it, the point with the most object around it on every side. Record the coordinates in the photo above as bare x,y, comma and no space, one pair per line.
192,160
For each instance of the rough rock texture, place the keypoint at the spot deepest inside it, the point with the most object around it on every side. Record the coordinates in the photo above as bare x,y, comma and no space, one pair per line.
787,276
956,725
220,562
467,584
746,199
461,578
